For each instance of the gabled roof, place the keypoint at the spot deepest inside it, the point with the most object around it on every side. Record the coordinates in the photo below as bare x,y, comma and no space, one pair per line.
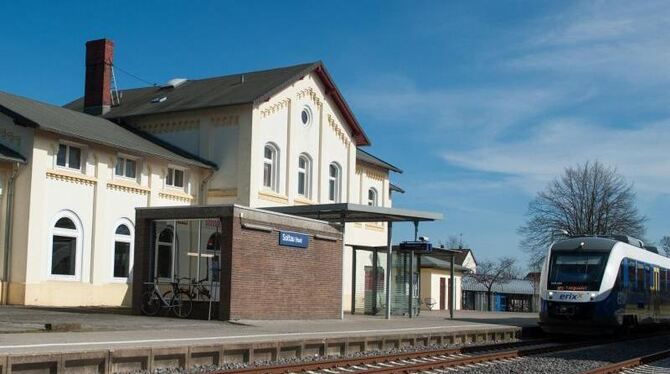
364,156
463,254
51,118
235,89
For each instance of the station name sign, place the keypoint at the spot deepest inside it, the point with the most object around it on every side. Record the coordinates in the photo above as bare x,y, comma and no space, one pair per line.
293,239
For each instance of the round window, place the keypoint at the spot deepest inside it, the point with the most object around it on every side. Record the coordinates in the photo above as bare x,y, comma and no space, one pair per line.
306,116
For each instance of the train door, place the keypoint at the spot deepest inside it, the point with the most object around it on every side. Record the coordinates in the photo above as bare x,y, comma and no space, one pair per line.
655,294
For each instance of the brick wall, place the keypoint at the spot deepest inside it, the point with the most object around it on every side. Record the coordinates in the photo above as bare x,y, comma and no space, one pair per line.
269,281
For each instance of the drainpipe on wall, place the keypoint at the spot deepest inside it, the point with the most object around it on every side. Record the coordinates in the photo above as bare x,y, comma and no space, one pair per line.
203,188
8,235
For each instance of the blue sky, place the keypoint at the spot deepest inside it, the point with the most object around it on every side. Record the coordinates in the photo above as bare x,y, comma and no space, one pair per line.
481,103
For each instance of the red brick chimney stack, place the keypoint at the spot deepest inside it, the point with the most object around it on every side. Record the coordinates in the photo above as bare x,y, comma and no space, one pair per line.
97,93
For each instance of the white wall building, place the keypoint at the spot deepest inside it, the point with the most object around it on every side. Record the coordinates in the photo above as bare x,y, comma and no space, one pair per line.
269,138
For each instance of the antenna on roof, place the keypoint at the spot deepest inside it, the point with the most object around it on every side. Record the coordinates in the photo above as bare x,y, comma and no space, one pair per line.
116,96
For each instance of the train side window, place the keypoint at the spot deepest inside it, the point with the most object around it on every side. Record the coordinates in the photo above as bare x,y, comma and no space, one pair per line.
632,275
623,274
640,277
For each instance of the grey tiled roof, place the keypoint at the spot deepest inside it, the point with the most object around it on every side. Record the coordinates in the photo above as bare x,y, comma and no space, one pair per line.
234,89
513,286
51,118
201,93
364,156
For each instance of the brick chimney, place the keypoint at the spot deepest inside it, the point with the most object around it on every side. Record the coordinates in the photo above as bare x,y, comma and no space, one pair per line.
97,93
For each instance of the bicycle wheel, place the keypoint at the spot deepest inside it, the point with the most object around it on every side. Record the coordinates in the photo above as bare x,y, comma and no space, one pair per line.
151,303
182,304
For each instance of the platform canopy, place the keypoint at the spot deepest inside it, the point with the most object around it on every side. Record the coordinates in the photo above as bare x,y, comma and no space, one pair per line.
348,212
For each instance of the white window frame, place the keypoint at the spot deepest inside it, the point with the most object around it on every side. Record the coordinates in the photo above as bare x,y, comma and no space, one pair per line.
172,186
337,183
123,239
274,168
310,116
172,253
78,234
375,200
82,156
125,158
307,171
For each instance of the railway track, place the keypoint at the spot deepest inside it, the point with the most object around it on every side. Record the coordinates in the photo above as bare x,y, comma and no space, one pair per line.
420,361
453,359
658,362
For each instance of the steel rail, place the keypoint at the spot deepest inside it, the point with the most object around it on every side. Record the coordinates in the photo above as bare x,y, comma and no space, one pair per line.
629,364
382,358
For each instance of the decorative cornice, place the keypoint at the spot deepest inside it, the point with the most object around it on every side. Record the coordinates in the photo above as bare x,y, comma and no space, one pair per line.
371,173
65,176
312,95
126,187
272,196
225,120
170,126
272,109
337,128
176,196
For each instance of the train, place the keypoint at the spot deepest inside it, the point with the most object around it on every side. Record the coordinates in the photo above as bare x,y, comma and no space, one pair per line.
603,285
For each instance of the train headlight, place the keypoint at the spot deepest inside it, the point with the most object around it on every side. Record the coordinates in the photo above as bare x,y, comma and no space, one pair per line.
551,294
593,295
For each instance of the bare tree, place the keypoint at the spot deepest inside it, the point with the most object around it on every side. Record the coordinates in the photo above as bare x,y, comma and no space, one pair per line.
665,245
589,199
489,273
453,242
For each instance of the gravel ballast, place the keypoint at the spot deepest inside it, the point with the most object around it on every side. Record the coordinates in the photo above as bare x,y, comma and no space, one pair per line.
578,360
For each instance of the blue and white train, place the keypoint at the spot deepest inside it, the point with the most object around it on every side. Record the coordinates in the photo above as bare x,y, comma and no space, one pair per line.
603,284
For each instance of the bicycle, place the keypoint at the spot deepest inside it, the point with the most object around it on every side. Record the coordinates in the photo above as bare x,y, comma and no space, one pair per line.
195,289
177,300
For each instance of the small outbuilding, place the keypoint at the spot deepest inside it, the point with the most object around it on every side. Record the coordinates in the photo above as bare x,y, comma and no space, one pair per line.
254,263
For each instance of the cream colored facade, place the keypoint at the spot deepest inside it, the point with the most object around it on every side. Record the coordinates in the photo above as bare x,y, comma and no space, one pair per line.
94,198
432,277
235,138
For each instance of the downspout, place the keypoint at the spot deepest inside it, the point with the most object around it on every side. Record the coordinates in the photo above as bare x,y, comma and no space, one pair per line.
8,235
203,185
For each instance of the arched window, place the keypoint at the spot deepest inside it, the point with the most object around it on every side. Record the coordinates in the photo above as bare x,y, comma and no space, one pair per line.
334,182
305,176
164,252
123,250
271,167
65,249
372,197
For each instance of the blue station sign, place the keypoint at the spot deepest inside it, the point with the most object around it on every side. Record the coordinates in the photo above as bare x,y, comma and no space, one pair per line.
293,239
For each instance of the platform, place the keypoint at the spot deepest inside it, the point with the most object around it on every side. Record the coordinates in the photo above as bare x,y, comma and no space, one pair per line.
115,341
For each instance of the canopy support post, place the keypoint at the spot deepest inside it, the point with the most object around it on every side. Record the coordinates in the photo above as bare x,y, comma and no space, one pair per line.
342,223
353,280
389,264
451,291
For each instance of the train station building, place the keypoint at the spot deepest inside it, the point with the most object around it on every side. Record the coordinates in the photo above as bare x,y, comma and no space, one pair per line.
120,187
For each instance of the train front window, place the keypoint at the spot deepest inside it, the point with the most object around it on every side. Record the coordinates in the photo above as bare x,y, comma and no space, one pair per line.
576,272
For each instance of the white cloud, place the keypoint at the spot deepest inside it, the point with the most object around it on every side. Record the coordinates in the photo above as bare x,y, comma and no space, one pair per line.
640,154
621,41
